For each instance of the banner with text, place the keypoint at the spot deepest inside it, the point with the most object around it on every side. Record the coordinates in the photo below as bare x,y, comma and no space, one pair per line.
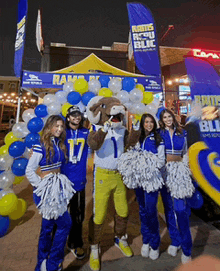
204,81
144,40
20,37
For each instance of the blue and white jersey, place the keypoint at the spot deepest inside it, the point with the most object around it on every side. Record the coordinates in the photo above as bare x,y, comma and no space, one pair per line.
77,152
57,159
113,146
175,144
38,158
149,144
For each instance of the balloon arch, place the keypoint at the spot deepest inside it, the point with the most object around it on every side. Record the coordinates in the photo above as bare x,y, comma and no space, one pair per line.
18,143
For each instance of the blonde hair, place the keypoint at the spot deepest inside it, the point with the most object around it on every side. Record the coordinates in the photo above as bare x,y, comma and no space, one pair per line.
46,137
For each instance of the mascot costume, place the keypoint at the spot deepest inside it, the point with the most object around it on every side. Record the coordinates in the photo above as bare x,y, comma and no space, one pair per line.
107,138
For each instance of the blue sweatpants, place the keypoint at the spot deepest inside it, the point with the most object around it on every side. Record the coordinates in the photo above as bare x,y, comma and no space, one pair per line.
182,212
53,250
148,217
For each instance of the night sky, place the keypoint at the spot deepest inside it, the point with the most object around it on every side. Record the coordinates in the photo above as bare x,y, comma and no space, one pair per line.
93,24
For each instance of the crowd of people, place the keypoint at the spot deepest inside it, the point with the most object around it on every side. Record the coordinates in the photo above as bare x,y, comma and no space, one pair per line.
59,187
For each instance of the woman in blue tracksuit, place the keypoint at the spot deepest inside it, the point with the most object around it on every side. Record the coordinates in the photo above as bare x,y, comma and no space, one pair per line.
52,193
177,179
147,194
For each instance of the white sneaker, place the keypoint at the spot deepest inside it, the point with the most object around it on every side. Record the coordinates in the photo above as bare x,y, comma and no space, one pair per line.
154,254
145,250
185,259
43,266
172,250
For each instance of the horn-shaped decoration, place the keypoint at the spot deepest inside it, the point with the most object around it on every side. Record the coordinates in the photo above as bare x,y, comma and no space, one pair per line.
93,119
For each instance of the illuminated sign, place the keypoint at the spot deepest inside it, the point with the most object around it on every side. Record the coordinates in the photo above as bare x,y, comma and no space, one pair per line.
206,54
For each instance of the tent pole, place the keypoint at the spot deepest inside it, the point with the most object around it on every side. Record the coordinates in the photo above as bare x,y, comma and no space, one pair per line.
19,105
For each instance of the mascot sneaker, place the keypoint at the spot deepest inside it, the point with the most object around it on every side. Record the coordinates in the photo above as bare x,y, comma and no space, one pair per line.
154,254
172,250
185,259
145,250
94,261
122,244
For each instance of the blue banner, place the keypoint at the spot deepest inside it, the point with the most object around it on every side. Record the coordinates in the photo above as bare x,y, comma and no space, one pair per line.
144,40
32,79
204,81
20,37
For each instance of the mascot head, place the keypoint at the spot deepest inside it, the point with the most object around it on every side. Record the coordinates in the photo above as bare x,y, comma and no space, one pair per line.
101,109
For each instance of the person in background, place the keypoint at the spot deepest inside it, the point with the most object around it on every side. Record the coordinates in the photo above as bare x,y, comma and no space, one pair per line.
177,179
52,193
75,170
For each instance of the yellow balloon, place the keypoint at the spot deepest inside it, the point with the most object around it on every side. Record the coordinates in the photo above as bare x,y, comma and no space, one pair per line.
18,179
81,85
19,211
65,107
141,87
10,138
148,97
8,204
4,150
105,92
137,117
160,207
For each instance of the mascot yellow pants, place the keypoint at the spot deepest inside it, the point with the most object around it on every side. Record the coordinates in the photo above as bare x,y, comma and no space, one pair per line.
105,183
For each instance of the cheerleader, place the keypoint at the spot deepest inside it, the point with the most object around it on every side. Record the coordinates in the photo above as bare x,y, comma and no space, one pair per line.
52,192
177,179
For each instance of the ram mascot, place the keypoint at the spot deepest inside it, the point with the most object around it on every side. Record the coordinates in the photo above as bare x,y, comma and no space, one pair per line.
107,138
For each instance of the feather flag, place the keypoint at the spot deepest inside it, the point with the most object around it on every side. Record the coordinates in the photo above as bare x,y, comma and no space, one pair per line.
39,38
20,37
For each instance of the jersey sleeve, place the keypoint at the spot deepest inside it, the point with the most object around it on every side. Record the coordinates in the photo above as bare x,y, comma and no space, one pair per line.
32,166
161,154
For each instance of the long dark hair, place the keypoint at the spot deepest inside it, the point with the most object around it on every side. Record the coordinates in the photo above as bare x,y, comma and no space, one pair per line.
46,136
175,122
154,130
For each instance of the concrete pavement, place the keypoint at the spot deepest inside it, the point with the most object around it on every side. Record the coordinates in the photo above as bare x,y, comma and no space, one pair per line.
18,248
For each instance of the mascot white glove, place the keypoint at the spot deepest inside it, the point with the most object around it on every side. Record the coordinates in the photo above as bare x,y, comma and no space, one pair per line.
135,124
107,125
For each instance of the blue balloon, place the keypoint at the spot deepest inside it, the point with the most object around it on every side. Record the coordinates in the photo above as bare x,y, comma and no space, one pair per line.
160,109
104,80
16,149
41,111
35,125
86,97
128,83
32,139
4,225
196,201
19,166
74,97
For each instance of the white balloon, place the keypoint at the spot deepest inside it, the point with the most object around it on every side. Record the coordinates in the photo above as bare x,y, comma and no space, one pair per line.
61,96
49,98
27,153
20,129
128,105
138,108
151,108
67,87
28,114
6,179
5,192
156,101
123,96
94,86
81,106
115,84
5,161
54,108
136,95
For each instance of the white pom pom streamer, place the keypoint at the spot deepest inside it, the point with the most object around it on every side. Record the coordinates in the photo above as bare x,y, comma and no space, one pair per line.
178,179
55,191
140,169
